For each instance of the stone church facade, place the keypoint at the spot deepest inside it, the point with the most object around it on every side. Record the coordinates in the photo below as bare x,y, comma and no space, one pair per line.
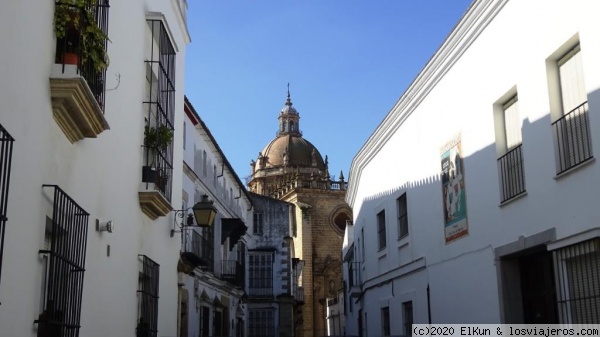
292,169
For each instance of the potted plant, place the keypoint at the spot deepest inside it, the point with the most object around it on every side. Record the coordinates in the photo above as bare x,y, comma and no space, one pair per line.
156,139
76,29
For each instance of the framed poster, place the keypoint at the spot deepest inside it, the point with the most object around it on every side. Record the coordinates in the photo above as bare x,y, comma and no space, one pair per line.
453,191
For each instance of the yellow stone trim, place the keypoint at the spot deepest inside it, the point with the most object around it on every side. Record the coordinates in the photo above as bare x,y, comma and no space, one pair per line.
154,204
75,109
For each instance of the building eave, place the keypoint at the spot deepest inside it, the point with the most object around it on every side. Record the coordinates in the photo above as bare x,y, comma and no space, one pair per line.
477,17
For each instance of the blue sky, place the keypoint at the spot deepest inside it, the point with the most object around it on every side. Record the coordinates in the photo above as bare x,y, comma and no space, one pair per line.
347,62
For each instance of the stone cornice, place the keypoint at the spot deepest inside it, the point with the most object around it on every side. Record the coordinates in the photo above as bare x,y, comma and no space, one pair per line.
470,26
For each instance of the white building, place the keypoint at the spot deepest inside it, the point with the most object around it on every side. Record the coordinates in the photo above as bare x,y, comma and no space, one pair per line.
473,199
86,247
212,270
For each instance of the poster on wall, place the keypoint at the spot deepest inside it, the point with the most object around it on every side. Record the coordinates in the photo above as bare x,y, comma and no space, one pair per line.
453,191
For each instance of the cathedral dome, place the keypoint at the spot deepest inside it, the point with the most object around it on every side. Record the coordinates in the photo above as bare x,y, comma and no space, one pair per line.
292,151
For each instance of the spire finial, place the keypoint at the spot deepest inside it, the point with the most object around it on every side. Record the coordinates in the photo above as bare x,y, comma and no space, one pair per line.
289,100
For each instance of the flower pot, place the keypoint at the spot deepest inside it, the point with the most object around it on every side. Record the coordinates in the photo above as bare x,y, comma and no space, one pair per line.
149,174
70,58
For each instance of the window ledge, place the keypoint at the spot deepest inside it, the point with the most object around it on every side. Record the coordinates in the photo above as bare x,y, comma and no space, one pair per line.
519,196
575,168
74,107
154,204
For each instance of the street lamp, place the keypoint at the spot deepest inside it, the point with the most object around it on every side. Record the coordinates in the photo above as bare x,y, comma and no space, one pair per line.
204,213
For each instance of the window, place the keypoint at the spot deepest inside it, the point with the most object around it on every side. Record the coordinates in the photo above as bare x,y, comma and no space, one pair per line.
64,252
147,325
261,274
6,145
261,322
572,129
578,273
407,312
257,227
402,216
381,229
160,106
385,321
510,164
204,321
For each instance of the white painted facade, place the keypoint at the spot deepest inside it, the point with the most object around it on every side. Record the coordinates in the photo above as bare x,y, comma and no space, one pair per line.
499,49
206,290
102,175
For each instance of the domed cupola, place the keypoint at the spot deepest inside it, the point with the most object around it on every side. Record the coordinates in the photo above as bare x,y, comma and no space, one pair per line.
289,119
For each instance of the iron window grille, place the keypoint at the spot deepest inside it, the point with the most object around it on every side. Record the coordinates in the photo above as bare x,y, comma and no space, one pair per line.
512,176
261,274
402,216
261,322
381,230
6,147
577,268
257,227
65,268
72,42
160,105
354,274
147,325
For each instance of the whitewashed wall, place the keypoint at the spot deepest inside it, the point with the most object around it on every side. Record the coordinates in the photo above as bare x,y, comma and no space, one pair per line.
102,175
455,94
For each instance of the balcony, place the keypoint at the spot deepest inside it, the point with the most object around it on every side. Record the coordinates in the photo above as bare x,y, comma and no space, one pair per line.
197,250
77,80
512,177
156,189
354,280
234,229
233,272
573,137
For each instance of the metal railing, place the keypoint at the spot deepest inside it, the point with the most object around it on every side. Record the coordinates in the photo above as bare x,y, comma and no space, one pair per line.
578,290
197,249
512,176
299,295
233,272
73,42
160,103
354,279
147,325
573,138
6,147
65,268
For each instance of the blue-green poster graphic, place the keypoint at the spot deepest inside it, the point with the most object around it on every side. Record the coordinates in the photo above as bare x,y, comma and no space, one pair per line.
453,191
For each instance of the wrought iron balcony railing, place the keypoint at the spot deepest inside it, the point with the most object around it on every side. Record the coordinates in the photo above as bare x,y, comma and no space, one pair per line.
197,250
573,138
512,177
233,272
82,33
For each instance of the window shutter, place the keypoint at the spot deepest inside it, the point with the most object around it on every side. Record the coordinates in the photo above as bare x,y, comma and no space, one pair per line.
570,68
512,124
